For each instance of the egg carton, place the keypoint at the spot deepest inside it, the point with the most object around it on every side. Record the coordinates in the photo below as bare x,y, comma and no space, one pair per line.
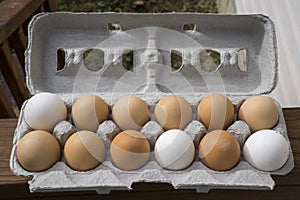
246,45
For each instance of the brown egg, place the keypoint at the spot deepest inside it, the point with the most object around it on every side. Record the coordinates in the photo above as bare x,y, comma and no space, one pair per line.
259,112
130,150
219,150
84,150
173,112
38,150
88,112
215,111
130,112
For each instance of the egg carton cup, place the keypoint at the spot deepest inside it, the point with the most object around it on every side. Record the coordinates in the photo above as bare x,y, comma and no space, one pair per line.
248,66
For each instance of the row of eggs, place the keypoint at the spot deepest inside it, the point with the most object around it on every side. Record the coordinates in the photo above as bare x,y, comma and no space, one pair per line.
38,150
215,111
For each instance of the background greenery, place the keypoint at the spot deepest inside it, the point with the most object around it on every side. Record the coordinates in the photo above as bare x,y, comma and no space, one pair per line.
137,5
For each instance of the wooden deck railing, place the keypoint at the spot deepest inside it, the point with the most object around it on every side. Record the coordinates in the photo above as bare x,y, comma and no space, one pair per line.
14,18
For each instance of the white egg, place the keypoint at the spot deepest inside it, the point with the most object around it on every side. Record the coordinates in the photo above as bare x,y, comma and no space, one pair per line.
174,150
266,150
44,110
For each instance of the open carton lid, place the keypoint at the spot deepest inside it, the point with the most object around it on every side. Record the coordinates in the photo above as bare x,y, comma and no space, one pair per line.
59,58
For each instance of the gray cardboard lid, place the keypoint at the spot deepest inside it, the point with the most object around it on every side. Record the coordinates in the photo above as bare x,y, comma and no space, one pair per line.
246,45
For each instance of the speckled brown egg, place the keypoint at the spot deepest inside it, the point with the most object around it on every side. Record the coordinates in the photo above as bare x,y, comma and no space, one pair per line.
219,150
38,151
259,112
84,150
130,150
89,111
173,112
130,113
215,111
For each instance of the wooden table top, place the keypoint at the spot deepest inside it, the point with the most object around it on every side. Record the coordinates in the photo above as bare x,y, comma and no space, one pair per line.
287,187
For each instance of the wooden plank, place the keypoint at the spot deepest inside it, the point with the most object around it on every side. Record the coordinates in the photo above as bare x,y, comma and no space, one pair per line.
6,104
25,25
7,75
18,41
50,6
8,107
7,128
19,76
12,75
14,13
21,191
41,8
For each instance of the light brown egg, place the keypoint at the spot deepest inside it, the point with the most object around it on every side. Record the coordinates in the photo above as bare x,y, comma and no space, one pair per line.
215,111
130,150
259,112
84,150
88,112
130,112
38,151
173,112
219,150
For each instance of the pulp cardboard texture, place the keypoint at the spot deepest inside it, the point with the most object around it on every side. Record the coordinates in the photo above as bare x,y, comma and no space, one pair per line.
152,37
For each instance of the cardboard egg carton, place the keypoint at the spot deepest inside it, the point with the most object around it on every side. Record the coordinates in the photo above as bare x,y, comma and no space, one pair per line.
246,45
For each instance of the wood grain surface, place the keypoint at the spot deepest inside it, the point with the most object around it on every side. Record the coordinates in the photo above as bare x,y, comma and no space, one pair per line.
14,13
287,187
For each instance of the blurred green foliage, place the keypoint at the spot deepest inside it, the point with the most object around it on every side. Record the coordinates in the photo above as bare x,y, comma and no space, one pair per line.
137,5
